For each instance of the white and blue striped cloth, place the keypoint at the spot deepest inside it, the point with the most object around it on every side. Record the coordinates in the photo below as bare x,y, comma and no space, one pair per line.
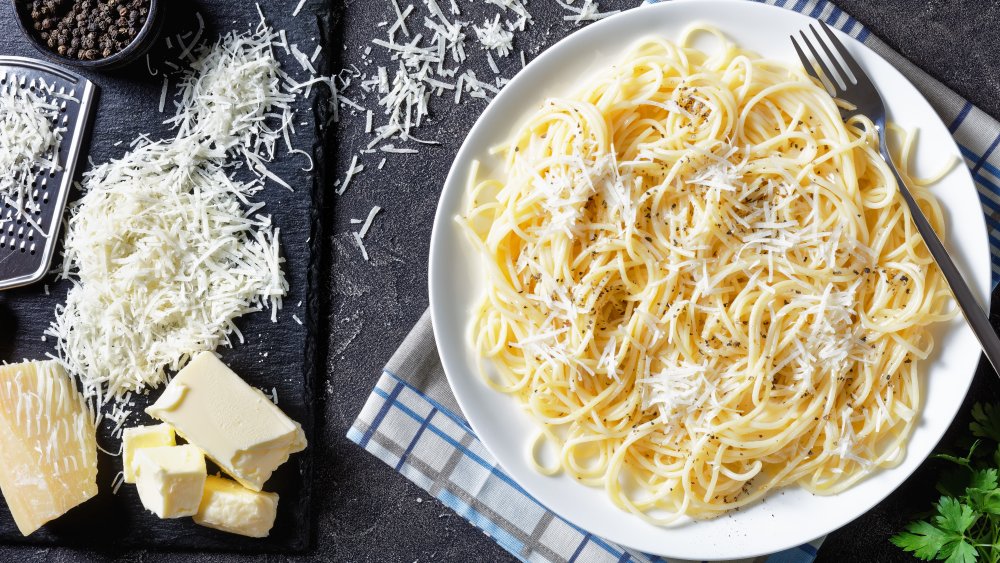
412,422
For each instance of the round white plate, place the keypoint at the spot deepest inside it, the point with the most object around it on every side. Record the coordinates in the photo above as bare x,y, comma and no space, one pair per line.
788,517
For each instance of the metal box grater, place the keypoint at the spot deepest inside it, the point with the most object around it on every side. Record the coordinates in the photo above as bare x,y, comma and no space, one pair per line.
26,252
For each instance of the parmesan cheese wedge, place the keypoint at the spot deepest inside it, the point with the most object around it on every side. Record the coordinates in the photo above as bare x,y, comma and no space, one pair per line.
48,444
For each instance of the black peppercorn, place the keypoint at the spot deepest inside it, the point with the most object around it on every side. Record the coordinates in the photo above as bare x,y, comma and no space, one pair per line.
86,29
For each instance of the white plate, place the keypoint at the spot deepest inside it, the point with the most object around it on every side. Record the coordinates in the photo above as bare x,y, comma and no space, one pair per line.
785,518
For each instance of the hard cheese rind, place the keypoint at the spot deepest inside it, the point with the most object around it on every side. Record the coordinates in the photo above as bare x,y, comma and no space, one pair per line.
143,437
237,426
48,445
228,506
170,479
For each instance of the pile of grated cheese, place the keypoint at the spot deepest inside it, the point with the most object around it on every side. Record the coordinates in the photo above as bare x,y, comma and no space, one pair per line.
166,248
29,143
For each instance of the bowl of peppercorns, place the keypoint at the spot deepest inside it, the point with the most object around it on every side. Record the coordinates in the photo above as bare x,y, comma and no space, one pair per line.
94,34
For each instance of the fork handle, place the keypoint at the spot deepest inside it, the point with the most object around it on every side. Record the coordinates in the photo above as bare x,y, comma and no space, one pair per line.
973,311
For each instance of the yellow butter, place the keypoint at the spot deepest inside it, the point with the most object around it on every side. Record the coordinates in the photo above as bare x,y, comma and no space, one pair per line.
228,506
237,426
170,479
143,437
48,444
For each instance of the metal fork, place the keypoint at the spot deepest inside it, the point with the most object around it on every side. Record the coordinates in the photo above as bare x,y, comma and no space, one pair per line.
861,92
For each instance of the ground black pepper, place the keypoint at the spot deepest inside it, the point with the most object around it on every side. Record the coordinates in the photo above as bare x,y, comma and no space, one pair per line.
87,30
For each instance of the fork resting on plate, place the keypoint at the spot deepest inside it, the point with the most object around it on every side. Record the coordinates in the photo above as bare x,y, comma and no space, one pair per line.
863,94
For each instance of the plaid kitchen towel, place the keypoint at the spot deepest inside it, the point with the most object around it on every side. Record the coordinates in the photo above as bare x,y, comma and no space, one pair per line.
412,422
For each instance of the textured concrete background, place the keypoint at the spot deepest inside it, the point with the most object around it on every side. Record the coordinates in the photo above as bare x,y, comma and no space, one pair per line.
364,511
375,304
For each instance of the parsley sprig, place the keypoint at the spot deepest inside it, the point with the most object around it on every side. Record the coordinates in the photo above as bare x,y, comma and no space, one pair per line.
965,526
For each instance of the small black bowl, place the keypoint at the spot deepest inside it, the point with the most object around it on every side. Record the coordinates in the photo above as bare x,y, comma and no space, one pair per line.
145,39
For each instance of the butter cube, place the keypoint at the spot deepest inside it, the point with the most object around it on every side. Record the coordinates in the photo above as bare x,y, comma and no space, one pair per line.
143,437
237,426
228,506
170,479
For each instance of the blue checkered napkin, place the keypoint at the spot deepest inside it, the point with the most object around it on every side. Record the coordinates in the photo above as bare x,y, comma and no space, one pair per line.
413,423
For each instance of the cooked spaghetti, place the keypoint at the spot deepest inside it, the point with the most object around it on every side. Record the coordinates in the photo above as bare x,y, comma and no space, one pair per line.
703,283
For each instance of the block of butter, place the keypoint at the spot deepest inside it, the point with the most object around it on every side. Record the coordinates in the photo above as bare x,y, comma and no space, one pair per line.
170,479
228,506
143,437
237,426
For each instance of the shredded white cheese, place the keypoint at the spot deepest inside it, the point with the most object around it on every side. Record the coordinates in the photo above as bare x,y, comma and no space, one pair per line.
166,249
29,143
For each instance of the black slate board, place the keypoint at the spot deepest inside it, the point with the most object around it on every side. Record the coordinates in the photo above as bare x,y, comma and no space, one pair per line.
278,355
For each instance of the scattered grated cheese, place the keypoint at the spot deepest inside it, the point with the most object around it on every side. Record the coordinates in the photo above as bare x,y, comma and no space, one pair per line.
353,169
163,93
492,36
395,150
149,67
368,222
361,246
298,8
589,11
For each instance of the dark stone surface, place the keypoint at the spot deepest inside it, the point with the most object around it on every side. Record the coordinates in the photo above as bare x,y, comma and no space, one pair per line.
363,510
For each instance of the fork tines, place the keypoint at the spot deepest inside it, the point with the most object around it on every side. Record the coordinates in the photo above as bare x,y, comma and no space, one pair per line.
832,72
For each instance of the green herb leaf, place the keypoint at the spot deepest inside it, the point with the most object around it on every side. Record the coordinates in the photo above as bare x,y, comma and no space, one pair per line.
962,552
923,539
965,526
984,479
953,516
986,421
988,503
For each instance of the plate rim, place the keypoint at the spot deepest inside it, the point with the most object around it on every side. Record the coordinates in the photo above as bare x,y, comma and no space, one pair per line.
462,157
